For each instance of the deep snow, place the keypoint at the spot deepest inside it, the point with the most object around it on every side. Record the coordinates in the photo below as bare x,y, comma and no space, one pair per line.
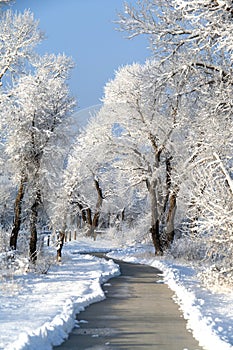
41,311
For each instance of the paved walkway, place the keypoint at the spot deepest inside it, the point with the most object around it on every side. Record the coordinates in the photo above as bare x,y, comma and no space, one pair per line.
139,313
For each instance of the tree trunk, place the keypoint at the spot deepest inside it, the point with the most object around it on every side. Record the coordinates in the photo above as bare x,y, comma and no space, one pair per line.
155,226
33,228
17,216
89,216
95,221
155,234
168,182
83,212
123,214
99,203
60,242
170,227
89,222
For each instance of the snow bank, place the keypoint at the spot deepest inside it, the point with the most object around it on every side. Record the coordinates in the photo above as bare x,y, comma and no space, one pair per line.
203,327
59,296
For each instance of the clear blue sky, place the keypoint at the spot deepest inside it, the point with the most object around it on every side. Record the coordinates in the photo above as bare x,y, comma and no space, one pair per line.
84,29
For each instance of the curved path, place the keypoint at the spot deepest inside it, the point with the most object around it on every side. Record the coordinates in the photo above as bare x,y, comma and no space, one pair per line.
138,313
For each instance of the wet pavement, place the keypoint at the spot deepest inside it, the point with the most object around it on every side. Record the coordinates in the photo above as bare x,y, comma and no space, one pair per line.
138,313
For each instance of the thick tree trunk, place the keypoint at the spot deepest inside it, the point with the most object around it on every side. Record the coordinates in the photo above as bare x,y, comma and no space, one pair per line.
89,216
170,227
17,216
33,228
155,225
95,221
155,235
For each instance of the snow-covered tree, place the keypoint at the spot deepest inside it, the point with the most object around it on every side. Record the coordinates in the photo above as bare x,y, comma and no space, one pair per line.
19,34
85,176
94,188
195,39
38,117
145,116
177,26
208,183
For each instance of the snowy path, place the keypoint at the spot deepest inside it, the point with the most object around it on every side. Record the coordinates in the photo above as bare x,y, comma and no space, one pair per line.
138,313
41,311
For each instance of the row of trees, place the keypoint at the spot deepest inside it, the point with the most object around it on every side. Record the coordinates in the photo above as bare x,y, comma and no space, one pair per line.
163,137
35,107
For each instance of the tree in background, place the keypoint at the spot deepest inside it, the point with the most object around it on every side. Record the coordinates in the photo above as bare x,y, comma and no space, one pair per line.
85,183
95,189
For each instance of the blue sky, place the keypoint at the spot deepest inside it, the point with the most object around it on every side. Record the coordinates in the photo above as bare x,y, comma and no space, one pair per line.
84,29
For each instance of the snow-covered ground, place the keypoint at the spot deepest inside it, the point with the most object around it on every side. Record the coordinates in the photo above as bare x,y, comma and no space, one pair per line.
40,312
